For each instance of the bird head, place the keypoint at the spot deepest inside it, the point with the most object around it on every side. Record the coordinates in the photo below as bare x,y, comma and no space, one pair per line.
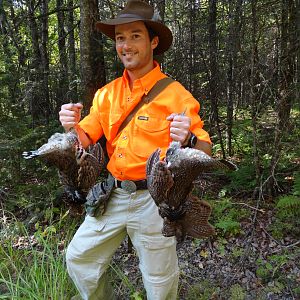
172,152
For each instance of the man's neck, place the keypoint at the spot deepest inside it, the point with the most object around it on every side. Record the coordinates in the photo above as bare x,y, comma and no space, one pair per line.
134,75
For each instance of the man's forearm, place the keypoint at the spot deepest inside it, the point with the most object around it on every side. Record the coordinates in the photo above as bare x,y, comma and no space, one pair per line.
83,137
204,146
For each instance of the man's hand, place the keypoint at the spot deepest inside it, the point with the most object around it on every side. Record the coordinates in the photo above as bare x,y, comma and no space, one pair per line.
70,115
179,127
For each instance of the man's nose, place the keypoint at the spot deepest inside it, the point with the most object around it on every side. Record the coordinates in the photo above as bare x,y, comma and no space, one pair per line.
127,44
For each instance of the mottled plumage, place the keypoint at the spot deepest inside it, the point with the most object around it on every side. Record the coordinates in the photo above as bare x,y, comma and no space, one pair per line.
78,168
170,182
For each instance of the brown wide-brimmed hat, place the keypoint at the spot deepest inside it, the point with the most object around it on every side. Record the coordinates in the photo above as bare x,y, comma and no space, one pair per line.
137,10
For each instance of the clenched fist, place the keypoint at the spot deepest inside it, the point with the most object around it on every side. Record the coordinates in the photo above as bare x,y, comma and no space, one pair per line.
70,115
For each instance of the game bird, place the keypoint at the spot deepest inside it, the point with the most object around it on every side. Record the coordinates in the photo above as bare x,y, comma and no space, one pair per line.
170,183
78,168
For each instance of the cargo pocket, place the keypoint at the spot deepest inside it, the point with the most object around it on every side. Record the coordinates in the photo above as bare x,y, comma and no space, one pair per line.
95,224
87,236
158,256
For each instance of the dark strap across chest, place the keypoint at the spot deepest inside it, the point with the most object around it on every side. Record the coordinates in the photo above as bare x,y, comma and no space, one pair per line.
158,87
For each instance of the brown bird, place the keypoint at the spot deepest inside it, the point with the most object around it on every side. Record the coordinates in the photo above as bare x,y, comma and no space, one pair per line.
78,168
170,183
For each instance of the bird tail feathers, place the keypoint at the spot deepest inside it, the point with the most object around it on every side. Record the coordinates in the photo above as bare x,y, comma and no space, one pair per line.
30,154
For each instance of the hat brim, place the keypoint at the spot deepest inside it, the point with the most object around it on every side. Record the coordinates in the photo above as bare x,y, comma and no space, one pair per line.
163,32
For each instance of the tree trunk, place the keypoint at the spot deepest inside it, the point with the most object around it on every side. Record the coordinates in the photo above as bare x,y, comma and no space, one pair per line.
286,89
160,5
44,66
62,52
232,48
191,70
35,85
72,54
91,51
254,79
213,69
297,48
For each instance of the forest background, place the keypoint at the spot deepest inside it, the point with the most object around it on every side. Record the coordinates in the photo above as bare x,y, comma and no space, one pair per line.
240,59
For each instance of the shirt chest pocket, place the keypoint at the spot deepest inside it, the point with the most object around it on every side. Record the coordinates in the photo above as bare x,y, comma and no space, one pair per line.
149,133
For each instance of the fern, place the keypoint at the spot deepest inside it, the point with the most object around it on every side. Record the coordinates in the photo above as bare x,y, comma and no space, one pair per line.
289,205
229,226
296,185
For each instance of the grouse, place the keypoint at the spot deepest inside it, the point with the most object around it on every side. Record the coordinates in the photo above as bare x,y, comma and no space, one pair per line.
78,168
170,183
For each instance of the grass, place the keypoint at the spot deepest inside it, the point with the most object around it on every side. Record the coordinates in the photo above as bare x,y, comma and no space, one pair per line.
33,267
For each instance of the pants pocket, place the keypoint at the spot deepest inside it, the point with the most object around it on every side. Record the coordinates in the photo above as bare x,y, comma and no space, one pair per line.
158,256
86,237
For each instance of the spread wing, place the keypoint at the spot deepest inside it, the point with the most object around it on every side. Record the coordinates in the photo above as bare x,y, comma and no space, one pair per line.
90,166
192,162
59,151
159,178
195,221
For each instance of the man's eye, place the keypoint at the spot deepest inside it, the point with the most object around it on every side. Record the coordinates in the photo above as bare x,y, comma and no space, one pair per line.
119,38
136,36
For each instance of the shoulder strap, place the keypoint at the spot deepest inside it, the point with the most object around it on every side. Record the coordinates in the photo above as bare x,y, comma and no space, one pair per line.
158,87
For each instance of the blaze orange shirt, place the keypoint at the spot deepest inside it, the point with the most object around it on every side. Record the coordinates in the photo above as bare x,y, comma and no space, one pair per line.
148,130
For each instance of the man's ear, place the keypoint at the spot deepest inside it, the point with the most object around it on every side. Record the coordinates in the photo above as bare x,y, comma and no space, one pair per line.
154,42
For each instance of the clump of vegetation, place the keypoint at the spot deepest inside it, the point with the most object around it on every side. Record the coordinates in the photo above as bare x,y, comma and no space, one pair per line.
287,217
32,266
227,216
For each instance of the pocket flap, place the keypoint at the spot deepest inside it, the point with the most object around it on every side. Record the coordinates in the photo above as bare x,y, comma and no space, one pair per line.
156,242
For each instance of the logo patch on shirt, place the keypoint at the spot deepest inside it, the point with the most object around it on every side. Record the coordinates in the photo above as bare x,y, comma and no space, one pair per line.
143,118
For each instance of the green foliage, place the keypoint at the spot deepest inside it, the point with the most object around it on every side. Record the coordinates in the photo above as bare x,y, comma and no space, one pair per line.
237,292
227,216
122,282
271,268
287,221
229,226
242,179
288,206
203,290
28,262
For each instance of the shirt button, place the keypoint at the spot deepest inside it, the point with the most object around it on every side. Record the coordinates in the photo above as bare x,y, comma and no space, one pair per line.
120,155
124,137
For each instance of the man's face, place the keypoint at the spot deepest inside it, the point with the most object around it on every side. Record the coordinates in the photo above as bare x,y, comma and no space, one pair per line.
134,47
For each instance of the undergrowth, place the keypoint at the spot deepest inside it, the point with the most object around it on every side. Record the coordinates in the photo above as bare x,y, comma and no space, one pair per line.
32,266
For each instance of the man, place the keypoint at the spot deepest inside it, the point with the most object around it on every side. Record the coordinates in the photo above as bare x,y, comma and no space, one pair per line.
138,35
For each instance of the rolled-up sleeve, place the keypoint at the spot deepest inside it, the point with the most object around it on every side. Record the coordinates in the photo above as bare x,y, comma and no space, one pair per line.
91,124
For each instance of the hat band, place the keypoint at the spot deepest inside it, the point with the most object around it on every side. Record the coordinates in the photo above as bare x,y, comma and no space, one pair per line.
130,16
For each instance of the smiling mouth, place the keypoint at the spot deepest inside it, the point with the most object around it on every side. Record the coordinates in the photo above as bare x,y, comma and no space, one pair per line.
130,54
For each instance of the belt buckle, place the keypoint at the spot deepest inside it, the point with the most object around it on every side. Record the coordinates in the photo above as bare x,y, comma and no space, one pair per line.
129,186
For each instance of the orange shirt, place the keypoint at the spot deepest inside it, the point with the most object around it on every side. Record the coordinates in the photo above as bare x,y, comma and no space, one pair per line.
148,129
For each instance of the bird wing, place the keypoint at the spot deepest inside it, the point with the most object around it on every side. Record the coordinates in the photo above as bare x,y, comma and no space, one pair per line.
97,151
195,221
159,178
59,151
193,162
88,172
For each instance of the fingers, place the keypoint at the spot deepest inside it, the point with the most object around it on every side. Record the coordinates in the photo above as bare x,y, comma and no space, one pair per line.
179,127
70,115
171,117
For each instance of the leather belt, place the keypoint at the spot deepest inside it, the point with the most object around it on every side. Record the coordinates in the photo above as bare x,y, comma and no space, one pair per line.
130,185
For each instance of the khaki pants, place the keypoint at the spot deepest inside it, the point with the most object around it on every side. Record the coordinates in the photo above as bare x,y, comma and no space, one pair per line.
90,252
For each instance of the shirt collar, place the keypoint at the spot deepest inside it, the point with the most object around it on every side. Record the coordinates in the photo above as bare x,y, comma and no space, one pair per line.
147,81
